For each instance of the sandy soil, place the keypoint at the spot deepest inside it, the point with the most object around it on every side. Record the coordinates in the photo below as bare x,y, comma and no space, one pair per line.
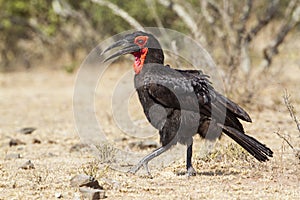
43,99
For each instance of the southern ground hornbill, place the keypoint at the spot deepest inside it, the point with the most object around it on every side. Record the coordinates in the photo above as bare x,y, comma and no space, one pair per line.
182,103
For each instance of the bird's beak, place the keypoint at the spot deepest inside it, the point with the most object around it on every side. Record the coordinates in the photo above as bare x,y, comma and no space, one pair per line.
128,48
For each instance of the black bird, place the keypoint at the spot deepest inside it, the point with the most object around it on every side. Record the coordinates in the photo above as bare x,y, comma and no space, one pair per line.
182,103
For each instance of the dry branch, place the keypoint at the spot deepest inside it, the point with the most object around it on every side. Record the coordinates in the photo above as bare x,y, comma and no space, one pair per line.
295,150
152,5
64,9
292,5
120,12
284,138
271,50
263,22
246,11
243,19
227,19
184,15
291,109
211,20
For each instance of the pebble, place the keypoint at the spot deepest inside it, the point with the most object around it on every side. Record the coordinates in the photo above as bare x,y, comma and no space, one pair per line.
92,194
85,180
78,147
27,165
58,195
27,130
36,141
15,142
88,186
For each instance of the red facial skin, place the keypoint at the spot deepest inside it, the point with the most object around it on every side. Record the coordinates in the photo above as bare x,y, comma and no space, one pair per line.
140,56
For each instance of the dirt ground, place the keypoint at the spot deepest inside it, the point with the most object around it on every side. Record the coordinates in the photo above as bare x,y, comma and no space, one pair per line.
42,99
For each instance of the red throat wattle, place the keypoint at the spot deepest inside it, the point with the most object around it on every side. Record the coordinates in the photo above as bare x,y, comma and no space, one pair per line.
139,60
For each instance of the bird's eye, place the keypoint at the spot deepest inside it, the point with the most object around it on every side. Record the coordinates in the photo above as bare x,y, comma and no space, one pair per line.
141,40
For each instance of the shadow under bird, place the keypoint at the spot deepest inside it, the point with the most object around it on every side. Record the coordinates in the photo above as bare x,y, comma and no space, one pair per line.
182,103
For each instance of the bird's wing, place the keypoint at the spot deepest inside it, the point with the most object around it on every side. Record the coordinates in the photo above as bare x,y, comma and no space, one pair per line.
173,89
191,90
219,98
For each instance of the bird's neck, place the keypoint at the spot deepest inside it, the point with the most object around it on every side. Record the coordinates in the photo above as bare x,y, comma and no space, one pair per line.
146,56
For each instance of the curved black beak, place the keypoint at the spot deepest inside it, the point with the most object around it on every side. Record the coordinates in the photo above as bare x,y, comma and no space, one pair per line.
128,48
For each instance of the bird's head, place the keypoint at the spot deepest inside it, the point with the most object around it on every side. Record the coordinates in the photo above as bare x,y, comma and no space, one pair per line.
143,46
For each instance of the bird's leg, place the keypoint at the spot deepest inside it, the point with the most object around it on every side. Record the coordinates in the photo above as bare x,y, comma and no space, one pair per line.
146,159
189,167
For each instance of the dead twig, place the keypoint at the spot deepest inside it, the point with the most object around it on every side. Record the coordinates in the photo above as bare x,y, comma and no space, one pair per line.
263,21
295,150
120,12
184,15
292,15
286,140
291,109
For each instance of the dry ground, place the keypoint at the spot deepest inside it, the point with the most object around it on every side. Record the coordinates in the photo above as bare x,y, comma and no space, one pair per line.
43,99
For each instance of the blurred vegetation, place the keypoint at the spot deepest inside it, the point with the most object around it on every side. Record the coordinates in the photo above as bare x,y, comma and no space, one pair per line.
35,30
21,20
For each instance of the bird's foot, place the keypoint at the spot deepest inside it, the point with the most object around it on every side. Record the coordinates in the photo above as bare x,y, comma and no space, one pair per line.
134,169
191,171
137,167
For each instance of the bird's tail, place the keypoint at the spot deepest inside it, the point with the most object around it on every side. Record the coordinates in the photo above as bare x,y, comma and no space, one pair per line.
260,151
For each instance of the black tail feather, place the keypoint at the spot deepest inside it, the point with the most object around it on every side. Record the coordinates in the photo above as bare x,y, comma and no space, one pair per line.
260,151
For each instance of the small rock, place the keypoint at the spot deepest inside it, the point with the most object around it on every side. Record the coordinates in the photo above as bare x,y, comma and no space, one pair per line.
88,186
122,139
20,148
36,141
297,153
92,194
27,165
12,156
148,144
15,142
58,195
52,142
27,130
78,147
85,180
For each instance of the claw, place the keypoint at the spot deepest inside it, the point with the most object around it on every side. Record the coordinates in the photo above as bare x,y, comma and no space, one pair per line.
134,169
147,168
137,167
146,159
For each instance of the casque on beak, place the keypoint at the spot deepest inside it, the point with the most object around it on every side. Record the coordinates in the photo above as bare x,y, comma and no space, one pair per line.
129,47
